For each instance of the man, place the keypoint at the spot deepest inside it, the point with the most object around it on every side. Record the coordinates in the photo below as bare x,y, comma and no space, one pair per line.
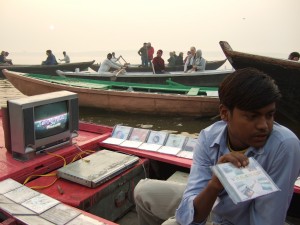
158,62
294,56
199,62
107,64
51,60
66,57
247,128
190,61
3,58
143,52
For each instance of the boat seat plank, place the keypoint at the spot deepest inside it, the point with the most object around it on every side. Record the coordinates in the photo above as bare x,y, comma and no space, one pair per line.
193,91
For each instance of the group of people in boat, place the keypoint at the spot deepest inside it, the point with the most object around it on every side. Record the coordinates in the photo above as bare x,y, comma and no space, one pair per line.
192,63
51,59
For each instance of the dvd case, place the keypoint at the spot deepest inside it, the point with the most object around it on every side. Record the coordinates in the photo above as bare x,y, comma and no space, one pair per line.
120,133
155,140
137,137
173,145
244,183
188,148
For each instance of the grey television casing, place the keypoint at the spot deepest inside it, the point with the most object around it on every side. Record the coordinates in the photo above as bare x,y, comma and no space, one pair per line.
24,144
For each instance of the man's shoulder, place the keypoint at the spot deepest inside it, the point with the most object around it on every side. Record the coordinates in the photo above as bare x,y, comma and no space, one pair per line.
214,132
282,133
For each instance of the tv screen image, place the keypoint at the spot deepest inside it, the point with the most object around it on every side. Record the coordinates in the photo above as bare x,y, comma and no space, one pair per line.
42,123
50,119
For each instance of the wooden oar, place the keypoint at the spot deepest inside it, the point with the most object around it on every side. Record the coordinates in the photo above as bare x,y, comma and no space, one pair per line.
153,67
114,77
124,60
59,73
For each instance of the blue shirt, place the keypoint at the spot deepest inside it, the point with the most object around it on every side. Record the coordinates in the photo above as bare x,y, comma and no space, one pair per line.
2,59
51,60
280,158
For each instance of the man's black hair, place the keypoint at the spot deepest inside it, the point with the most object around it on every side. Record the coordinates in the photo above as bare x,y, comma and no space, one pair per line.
293,55
248,89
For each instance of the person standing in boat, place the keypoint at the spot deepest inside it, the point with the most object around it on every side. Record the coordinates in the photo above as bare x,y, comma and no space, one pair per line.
150,52
247,129
51,60
66,58
294,56
107,64
190,60
143,52
159,63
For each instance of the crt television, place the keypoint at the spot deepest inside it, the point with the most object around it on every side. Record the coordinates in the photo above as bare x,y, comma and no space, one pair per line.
42,123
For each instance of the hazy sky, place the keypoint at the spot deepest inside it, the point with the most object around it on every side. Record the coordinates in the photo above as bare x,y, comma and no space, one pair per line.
96,25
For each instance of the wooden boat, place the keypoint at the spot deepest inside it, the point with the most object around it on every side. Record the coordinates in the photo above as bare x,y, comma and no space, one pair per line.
171,99
46,69
210,65
286,73
208,78
91,137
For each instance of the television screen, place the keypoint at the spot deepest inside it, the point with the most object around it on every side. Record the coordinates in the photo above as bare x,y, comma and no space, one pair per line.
51,119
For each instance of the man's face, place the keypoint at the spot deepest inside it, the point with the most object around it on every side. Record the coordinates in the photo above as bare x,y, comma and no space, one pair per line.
193,51
249,128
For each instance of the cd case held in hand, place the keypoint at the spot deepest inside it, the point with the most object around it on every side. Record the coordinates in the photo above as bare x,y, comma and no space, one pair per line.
244,183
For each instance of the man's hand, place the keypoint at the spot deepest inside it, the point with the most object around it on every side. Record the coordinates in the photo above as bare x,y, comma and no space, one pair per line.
236,158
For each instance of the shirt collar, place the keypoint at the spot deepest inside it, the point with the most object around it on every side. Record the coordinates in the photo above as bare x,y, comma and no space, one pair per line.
221,139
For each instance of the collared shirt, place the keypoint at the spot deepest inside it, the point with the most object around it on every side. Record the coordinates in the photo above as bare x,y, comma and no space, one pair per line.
2,59
279,157
107,64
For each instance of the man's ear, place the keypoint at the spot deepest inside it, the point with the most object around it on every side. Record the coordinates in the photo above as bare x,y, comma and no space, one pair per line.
224,112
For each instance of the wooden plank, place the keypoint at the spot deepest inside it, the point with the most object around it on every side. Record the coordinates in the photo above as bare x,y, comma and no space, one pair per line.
193,91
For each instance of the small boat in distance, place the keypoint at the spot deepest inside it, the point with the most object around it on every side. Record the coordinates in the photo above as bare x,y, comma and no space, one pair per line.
207,78
170,99
286,74
46,69
210,65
